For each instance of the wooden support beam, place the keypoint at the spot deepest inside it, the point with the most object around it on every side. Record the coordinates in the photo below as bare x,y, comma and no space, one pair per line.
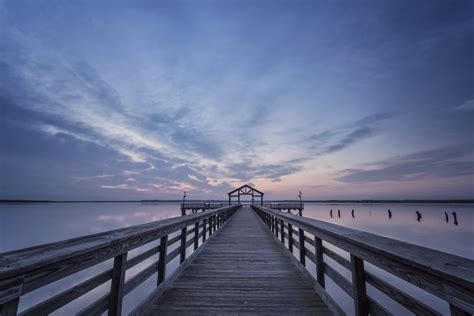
117,284
361,303
276,226
318,248
182,246
302,247
196,236
290,238
455,311
204,230
162,259
10,308
282,230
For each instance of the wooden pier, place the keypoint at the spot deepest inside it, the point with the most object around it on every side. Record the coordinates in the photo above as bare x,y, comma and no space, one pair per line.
243,269
237,260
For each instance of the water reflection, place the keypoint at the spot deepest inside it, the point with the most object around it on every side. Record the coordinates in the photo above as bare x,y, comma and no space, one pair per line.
43,223
421,224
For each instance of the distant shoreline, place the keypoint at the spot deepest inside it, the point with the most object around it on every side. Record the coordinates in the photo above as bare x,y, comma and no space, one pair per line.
461,201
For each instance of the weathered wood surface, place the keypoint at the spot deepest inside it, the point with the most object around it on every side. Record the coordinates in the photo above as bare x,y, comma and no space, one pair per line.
242,270
447,276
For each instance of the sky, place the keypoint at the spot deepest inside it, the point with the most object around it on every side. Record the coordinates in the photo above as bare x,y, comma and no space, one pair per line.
117,100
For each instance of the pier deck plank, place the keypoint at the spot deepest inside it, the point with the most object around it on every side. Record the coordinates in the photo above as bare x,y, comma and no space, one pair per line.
242,270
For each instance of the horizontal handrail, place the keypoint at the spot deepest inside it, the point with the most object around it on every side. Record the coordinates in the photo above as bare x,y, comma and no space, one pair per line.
24,270
447,276
294,205
200,205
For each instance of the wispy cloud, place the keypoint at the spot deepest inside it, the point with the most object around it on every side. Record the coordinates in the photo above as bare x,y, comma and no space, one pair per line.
339,138
437,164
466,106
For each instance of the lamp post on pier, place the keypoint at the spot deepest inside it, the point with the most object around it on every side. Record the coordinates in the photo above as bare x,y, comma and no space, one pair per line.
301,203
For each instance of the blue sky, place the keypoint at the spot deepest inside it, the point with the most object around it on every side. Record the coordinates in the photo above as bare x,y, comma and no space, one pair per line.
146,99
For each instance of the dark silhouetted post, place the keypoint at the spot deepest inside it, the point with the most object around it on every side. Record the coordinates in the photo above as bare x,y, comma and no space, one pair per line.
116,288
302,247
162,259
358,285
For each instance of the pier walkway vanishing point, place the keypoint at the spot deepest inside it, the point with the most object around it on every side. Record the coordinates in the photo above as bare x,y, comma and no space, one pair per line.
243,269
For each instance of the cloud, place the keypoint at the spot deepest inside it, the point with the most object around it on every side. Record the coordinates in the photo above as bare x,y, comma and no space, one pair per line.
466,106
247,171
437,163
339,138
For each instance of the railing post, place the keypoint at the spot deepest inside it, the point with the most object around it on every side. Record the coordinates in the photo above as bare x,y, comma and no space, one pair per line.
162,259
215,222
282,231
318,250
196,236
276,227
210,226
358,285
302,247
182,246
116,288
10,308
290,238
204,230
273,224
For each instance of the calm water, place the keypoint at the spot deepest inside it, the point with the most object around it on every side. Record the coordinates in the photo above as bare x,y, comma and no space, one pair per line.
25,225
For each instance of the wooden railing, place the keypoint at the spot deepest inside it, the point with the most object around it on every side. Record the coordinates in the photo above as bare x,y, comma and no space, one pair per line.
196,206
448,277
283,206
25,270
